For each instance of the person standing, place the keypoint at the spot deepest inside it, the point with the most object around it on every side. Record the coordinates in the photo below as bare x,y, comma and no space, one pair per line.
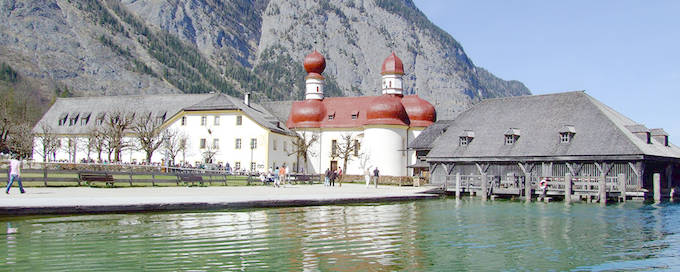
327,178
334,175
277,180
376,175
15,174
282,174
339,176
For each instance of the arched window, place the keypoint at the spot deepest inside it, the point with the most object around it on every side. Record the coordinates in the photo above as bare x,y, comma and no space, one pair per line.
317,89
390,83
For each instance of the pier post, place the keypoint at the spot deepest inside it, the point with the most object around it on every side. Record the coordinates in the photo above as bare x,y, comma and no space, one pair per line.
458,185
622,186
484,189
527,188
567,188
602,186
657,187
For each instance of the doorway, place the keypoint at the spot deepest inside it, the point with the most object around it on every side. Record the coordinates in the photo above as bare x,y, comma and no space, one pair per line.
334,165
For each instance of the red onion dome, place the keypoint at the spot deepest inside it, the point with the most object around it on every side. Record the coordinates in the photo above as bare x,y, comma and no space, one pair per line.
420,112
392,65
387,110
307,113
314,64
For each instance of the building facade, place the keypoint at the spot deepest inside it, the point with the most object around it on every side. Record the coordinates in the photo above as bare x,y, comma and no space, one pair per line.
213,128
376,129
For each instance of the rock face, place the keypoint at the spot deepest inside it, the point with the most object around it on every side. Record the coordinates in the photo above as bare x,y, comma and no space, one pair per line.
107,47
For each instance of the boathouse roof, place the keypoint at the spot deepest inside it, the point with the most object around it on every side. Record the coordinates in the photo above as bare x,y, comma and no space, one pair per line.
594,130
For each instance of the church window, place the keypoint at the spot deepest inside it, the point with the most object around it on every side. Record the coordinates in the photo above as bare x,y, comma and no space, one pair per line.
238,143
239,120
217,120
184,121
204,120
334,148
202,143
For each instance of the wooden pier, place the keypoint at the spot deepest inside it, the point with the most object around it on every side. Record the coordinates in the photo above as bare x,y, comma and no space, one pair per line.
567,188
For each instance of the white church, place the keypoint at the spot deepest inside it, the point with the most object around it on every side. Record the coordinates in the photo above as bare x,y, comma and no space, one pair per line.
222,129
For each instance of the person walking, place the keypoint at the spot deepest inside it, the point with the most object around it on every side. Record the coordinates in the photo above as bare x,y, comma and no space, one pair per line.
327,178
376,175
334,175
277,180
15,174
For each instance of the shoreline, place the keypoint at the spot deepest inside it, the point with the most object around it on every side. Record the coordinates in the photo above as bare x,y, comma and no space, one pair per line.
85,200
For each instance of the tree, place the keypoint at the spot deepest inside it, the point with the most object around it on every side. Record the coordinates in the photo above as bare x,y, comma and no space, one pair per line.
116,124
184,146
301,147
174,142
209,152
71,147
21,140
96,141
346,148
49,143
148,133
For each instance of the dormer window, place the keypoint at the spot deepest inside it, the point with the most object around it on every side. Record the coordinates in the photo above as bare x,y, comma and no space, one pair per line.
355,115
100,118
73,120
567,132
331,116
511,136
466,138
85,118
62,119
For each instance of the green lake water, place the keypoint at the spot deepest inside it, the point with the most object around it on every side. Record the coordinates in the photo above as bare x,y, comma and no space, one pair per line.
432,235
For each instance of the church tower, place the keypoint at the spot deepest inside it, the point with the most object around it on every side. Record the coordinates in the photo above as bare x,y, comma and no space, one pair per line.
392,73
314,64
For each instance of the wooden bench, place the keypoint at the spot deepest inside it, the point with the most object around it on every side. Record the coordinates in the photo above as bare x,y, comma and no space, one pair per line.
186,178
88,177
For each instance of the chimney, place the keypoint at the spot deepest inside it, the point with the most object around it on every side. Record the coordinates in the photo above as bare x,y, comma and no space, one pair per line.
246,99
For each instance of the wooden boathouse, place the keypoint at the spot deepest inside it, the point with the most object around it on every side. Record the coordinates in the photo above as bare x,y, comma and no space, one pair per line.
562,145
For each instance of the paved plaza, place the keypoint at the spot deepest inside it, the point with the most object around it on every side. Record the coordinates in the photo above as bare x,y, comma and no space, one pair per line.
67,200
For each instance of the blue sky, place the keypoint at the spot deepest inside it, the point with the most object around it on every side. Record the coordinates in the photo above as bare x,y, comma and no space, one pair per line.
624,53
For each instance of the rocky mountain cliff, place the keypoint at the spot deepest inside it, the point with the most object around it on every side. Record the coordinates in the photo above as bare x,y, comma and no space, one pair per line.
108,47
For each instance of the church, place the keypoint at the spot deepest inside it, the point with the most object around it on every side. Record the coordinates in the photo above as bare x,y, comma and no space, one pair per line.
378,127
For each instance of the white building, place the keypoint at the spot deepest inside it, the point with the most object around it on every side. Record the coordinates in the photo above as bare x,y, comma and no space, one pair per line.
381,126
219,129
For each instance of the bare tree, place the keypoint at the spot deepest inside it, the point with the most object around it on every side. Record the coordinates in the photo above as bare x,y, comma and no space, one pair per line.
209,152
301,147
148,133
172,143
21,140
49,143
184,146
73,143
96,142
346,149
116,124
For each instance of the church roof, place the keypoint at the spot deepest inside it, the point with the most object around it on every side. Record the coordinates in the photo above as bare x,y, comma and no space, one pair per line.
597,130
348,112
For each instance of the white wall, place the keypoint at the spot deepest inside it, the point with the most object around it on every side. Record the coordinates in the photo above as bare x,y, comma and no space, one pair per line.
227,131
386,146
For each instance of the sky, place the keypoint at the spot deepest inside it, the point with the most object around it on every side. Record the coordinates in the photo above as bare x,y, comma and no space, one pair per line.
624,53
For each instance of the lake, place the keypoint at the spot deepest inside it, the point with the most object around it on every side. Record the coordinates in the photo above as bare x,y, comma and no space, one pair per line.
427,235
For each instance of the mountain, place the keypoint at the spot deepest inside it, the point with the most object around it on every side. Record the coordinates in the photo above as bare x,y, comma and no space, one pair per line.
108,47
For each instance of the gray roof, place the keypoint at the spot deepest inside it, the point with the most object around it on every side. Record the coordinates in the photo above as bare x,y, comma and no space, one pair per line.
167,105
280,109
598,130
426,138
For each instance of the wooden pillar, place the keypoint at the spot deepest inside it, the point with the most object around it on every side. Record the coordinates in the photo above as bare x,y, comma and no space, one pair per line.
484,188
602,189
458,185
567,188
622,186
669,175
45,174
657,187
527,187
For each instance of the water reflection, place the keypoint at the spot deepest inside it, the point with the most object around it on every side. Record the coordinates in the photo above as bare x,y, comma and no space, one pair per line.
447,234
